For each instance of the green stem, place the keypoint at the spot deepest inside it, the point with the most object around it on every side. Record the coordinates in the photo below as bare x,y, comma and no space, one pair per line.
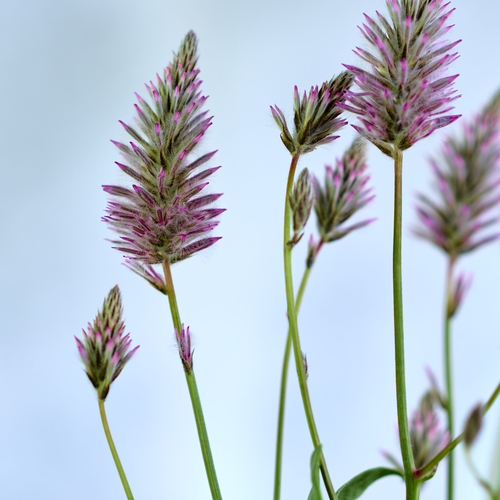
116,458
412,488
477,475
448,371
284,379
193,393
451,446
294,331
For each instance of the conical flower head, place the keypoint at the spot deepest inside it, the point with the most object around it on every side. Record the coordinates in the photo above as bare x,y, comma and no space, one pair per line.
467,180
427,433
316,115
343,193
104,350
405,95
162,217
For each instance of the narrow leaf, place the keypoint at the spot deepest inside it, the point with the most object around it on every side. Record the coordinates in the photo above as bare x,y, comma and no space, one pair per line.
315,493
358,484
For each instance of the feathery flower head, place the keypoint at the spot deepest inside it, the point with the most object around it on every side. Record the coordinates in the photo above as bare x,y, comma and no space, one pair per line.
104,350
467,181
162,218
344,192
183,339
316,116
404,97
301,200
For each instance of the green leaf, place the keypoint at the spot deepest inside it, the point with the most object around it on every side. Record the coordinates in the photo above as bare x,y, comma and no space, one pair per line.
358,484
315,463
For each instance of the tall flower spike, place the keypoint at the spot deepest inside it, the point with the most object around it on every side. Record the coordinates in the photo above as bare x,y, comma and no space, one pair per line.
343,193
316,116
163,217
467,181
104,350
404,97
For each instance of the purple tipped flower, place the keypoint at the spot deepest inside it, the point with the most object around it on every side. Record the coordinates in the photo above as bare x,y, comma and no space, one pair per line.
428,435
104,350
184,344
163,217
343,193
406,94
316,115
467,181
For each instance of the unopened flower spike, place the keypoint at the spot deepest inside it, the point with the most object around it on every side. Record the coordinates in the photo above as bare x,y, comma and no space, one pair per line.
467,181
316,115
105,350
343,193
473,425
404,95
163,217
183,339
301,201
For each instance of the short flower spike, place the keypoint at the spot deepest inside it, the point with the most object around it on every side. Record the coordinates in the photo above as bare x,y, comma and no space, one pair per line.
104,350
405,94
163,217
343,193
316,115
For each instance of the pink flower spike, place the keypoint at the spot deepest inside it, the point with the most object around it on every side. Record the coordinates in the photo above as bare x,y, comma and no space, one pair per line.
102,367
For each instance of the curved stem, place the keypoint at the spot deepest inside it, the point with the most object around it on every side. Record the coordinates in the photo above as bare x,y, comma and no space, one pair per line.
112,447
404,432
194,395
292,322
284,380
472,467
448,371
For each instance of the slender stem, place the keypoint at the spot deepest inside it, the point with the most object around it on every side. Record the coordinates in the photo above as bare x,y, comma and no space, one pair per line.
448,370
116,458
294,331
451,446
193,393
477,475
284,379
404,432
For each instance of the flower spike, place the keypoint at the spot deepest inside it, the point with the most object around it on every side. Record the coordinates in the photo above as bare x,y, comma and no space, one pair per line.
104,350
316,115
405,96
163,217
467,181
344,192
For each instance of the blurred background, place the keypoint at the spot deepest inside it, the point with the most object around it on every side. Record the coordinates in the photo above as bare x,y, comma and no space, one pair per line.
69,70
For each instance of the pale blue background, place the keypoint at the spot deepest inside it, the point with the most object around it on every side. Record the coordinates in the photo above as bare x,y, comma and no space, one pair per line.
69,70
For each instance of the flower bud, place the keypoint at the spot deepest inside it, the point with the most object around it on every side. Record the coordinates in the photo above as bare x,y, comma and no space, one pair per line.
104,350
473,425
301,201
183,339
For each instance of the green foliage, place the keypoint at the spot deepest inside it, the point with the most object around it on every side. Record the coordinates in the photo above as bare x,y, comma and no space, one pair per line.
358,484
